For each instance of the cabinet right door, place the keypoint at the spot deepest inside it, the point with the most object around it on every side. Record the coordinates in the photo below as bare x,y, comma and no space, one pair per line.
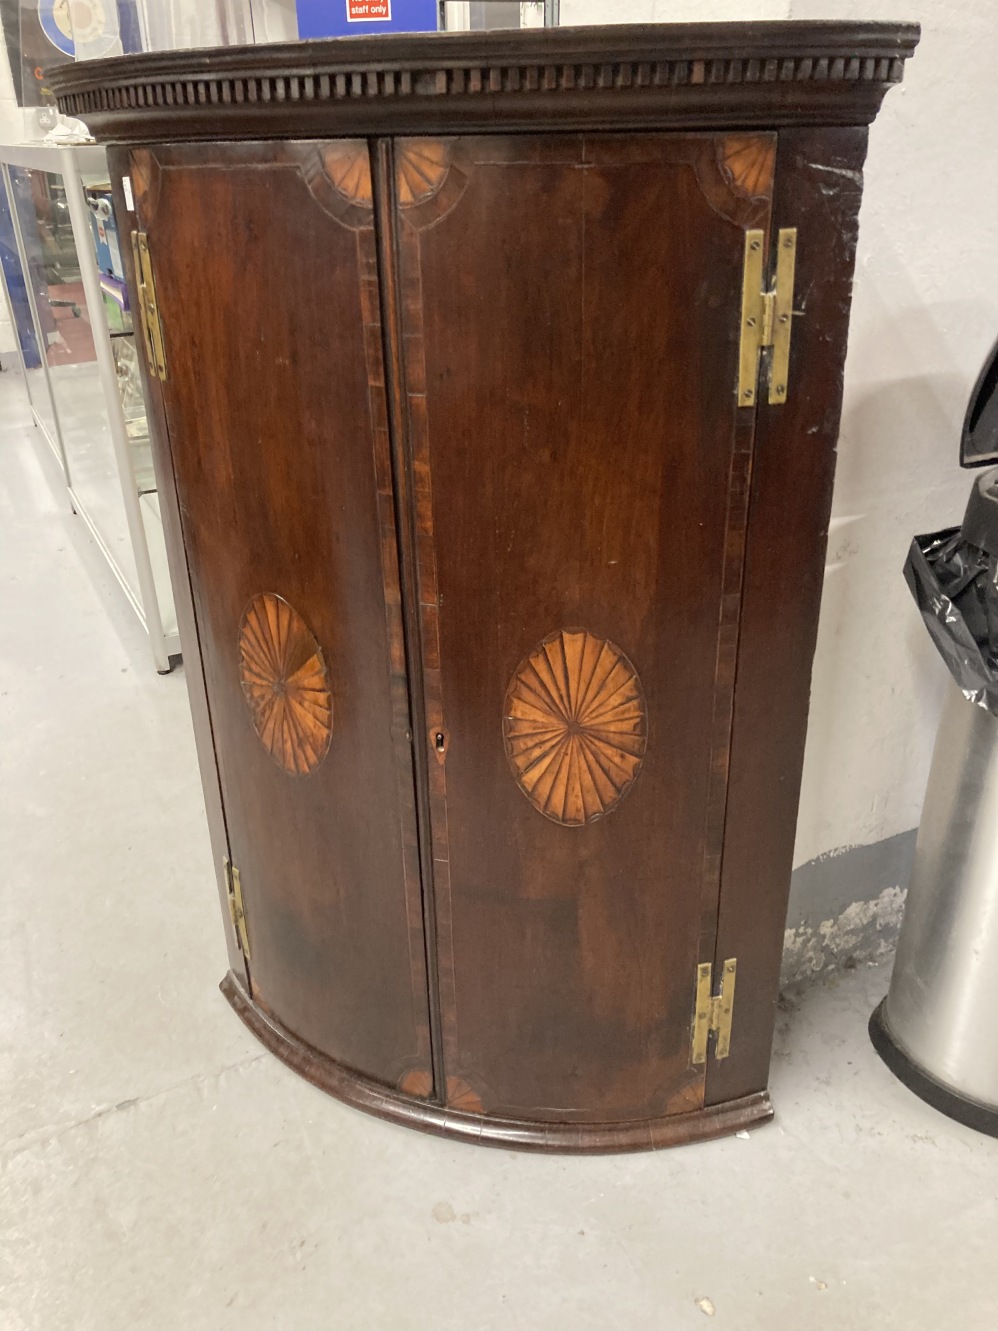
570,310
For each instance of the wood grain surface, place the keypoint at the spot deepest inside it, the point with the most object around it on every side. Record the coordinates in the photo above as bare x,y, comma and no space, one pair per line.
817,188
120,166
621,76
579,461
462,1118
277,440
498,611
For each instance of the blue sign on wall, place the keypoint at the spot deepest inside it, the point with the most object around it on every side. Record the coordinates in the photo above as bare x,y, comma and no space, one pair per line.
349,18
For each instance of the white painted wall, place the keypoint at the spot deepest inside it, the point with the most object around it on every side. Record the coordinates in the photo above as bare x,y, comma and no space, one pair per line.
668,11
925,312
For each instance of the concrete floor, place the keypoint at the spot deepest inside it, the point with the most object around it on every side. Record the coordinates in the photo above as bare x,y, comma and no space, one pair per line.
160,1171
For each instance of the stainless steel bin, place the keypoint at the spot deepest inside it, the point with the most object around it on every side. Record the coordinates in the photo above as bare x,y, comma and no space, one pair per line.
936,1029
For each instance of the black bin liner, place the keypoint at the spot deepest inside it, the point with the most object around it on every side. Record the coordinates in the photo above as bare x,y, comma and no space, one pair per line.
953,576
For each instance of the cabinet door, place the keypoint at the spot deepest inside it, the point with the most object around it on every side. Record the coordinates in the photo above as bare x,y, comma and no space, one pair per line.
570,309
264,263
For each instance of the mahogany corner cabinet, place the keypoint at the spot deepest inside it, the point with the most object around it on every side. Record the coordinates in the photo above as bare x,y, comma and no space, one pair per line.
495,382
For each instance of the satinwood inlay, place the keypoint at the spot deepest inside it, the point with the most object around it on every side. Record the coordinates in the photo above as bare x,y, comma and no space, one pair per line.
575,726
461,1096
747,163
348,166
339,175
422,168
285,684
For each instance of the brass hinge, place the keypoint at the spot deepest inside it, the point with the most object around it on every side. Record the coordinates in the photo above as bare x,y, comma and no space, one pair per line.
767,317
152,329
237,910
712,1013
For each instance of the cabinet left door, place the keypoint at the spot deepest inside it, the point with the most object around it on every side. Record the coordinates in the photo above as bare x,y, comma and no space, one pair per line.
264,264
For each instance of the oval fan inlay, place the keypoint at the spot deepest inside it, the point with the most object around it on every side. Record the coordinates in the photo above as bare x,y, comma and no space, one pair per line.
285,684
575,726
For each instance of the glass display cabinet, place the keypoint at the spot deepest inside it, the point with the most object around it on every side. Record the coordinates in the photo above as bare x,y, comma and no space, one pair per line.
68,300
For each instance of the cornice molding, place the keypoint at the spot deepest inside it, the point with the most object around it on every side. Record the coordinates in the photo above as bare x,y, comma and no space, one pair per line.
609,77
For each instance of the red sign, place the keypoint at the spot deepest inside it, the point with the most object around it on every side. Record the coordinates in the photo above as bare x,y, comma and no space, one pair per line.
368,11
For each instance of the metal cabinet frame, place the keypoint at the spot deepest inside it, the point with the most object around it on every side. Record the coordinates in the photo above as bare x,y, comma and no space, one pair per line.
71,162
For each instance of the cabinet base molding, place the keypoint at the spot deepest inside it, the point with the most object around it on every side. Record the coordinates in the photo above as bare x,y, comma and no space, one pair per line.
353,1088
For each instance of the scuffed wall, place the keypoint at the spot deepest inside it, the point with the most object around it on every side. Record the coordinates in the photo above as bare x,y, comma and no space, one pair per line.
847,907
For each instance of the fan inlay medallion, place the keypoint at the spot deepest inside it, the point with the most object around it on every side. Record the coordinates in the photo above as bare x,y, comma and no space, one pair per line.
575,726
285,684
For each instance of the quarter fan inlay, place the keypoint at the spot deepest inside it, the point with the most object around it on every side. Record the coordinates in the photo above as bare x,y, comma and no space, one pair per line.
285,684
421,170
348,166
748,163
575,726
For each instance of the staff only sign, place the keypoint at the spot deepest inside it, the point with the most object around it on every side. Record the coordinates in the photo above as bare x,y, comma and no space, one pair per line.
346,18
359,10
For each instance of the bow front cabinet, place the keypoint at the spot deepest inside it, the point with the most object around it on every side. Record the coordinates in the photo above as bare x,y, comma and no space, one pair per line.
495,381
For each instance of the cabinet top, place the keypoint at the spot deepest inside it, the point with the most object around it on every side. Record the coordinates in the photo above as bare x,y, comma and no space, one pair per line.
667,75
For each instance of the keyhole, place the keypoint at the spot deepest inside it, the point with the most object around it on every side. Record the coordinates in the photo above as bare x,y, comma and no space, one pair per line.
439,741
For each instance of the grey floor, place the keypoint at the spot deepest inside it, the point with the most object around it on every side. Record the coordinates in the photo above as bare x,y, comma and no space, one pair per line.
160,1171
